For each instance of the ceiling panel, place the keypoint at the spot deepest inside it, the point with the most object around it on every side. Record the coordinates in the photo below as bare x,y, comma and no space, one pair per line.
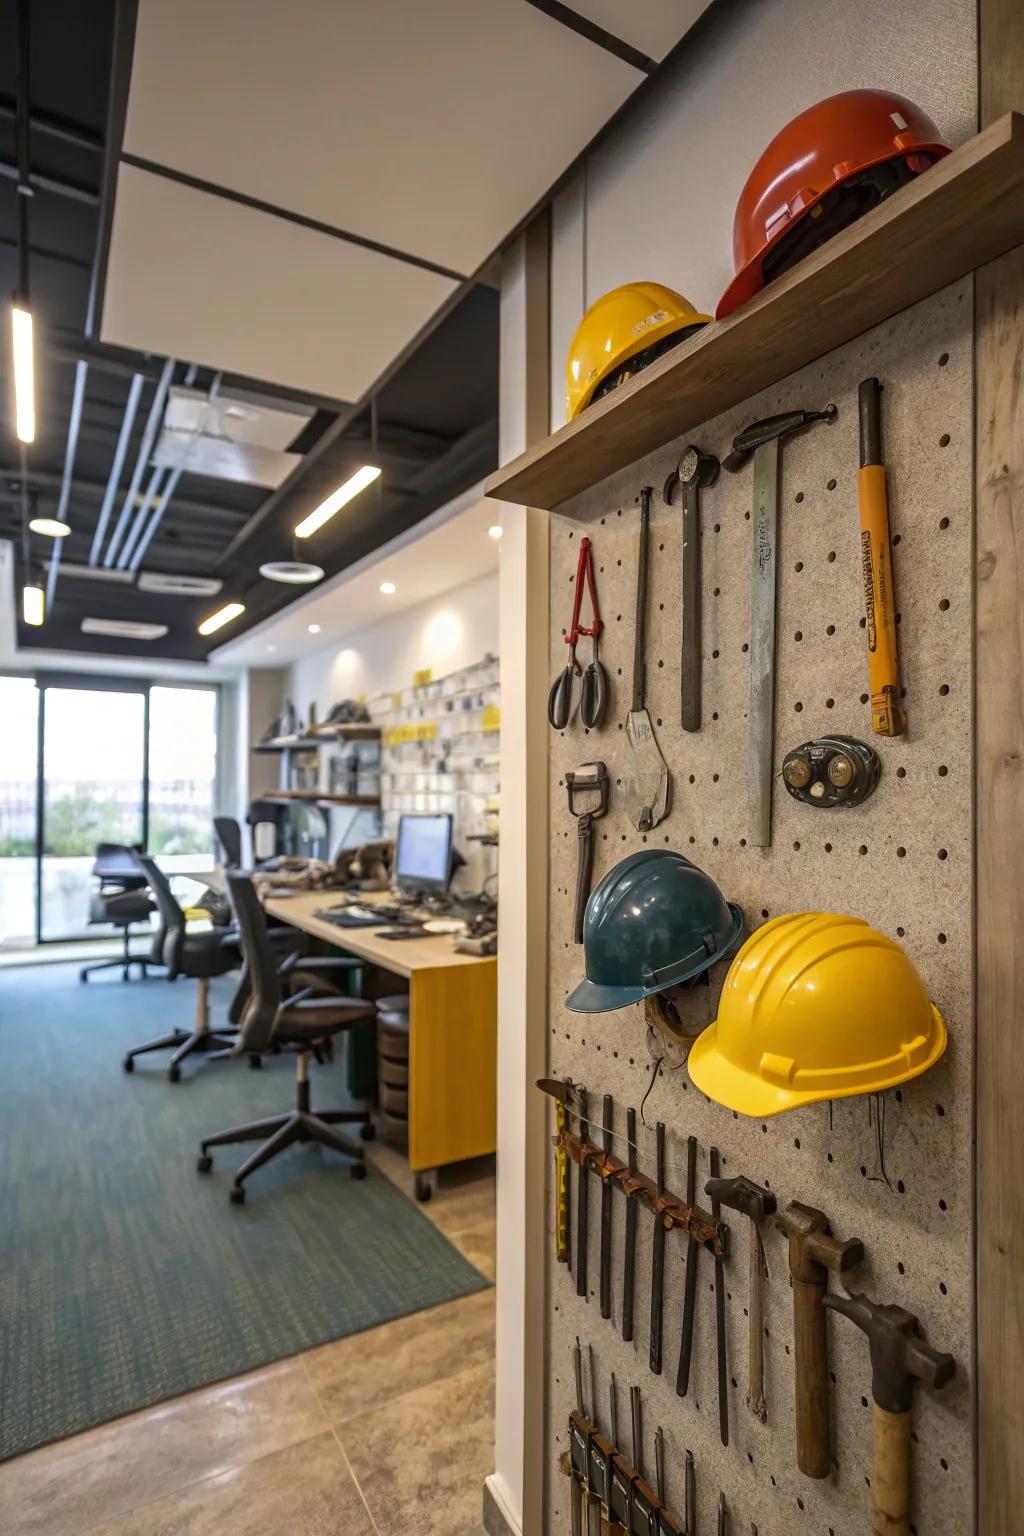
653,26
201,278
432,128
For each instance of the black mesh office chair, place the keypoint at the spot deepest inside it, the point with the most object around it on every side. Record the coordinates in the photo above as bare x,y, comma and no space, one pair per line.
200,956
304,1024
122,900
229,835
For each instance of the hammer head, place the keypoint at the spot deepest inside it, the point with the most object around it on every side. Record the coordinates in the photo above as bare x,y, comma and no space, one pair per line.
743,1195
812,1248
899,1354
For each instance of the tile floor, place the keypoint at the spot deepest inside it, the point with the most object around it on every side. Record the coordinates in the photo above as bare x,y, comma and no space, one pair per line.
378,1434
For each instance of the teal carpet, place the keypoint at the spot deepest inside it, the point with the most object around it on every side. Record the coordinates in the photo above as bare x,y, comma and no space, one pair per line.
125,1276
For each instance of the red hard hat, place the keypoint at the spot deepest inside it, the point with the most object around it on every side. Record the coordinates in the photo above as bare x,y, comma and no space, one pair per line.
828,146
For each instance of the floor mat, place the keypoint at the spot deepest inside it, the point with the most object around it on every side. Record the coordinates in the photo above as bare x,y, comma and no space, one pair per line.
125,1276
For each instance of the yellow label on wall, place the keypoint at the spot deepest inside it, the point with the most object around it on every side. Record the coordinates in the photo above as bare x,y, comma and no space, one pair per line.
492,718
396,701
422,677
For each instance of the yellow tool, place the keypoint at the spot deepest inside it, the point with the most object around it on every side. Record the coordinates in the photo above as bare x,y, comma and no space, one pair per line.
561,1187
887,713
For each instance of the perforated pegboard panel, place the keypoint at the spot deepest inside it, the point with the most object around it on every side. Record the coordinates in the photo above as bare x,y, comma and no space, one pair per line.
902,861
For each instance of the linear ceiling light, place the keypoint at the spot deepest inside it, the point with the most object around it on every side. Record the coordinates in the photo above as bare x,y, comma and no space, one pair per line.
22,349
336,500
124,629
33,606
221,617
49,527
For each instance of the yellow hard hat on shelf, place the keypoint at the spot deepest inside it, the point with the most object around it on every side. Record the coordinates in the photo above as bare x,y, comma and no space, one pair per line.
815,1006
632,324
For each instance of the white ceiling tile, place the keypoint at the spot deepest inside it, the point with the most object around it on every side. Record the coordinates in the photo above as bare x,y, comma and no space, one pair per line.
201,278
432,128
653,26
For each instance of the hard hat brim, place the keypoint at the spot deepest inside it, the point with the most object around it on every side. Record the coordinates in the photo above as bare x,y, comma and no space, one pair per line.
595,997
746,1093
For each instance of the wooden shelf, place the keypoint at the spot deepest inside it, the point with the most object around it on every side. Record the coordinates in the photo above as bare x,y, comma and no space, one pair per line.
961,213
321,736
319,797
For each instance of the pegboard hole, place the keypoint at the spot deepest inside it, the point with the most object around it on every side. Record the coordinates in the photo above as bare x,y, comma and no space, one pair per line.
714,778
799,1503
901,1187
942,854
943,523
829,1155
863,1402
943,1288
692,779
943,770
798,636
943,1206
714,842
797,706
944,440
943,690
943,1463
830,629
901,773
830,703
944,359
943,604
862,850
896,539
940,1110
901,853
714,655
718,527
799,496
796,845
901,1268
744,647
828,847
830,485
799,566
717,591
714,714
796,1142
831,557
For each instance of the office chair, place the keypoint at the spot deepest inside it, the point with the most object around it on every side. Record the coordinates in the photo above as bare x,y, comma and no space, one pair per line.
229,835
122,900
199,956
304,1024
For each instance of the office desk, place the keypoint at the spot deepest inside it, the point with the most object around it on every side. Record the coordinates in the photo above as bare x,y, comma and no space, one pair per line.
453,1028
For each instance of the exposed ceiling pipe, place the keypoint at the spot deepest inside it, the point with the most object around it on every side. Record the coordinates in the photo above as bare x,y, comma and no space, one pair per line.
156,412
172,483
74,426
152,495
114,478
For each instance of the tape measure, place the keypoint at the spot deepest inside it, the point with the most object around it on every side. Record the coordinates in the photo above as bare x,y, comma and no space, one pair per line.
832,771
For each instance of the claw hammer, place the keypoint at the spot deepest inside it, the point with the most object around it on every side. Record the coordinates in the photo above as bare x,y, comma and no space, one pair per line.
757,1204
899,1358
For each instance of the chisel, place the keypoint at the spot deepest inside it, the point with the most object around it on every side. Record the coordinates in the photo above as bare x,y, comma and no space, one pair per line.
629,1259
580,1431
623,1471
606,1212
666,1525
714,1164
644,1514
887,715
581,1197
690,1281
658,1253
691,1496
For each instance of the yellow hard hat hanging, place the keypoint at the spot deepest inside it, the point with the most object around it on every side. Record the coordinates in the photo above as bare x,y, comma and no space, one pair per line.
622,332
816,1006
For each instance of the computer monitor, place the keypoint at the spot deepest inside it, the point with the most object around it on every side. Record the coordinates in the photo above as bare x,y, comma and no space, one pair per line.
423,853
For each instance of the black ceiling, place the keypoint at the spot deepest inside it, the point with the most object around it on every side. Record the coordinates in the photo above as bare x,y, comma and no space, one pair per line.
434,421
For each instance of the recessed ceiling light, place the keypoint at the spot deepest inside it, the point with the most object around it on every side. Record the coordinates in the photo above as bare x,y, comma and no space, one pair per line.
124,629
295,572
49,527
220,618
314,629
179,586
336,500
387,587
495,531
33,605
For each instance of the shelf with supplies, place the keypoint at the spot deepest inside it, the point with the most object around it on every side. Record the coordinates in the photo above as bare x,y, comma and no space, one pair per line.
321,797
961,213
320,736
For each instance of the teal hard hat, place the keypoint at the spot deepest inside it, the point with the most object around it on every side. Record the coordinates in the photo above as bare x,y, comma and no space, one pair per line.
654,921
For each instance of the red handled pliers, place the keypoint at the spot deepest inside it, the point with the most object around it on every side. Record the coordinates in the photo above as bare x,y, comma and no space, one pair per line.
593,694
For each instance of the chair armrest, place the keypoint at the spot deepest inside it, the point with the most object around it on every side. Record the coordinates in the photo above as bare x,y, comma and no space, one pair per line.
329,962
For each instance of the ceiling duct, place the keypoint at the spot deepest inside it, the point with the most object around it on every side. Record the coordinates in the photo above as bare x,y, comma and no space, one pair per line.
124,629
227,438
179,586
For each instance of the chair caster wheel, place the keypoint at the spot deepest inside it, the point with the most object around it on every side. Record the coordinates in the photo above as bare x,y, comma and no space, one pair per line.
129,1064
422,1188
368,1132
204,1163
173,1074
237,1194
358,1170
256,1063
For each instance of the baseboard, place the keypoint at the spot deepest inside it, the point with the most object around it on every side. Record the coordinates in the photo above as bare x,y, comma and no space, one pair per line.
498,1518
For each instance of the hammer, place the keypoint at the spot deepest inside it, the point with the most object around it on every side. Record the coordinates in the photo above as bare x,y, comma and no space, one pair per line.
899,1357
743,1195
813,1251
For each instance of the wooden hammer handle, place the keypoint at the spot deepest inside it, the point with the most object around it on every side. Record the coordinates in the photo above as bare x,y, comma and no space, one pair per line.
891,1484
813,1451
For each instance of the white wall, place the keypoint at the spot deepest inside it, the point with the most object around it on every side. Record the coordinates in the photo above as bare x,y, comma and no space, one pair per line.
444,634
656,200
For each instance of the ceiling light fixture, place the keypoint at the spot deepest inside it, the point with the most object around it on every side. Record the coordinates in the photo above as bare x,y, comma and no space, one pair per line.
124,629
23,350
495,531
295,572
336,500
49,527
314,629
33,606
220,618
387,587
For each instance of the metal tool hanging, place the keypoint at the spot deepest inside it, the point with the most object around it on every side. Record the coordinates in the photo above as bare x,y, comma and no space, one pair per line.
591,696
648,785
763,439
694,472
588,801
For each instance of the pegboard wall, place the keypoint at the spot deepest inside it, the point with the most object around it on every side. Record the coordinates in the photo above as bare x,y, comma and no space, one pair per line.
902,861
